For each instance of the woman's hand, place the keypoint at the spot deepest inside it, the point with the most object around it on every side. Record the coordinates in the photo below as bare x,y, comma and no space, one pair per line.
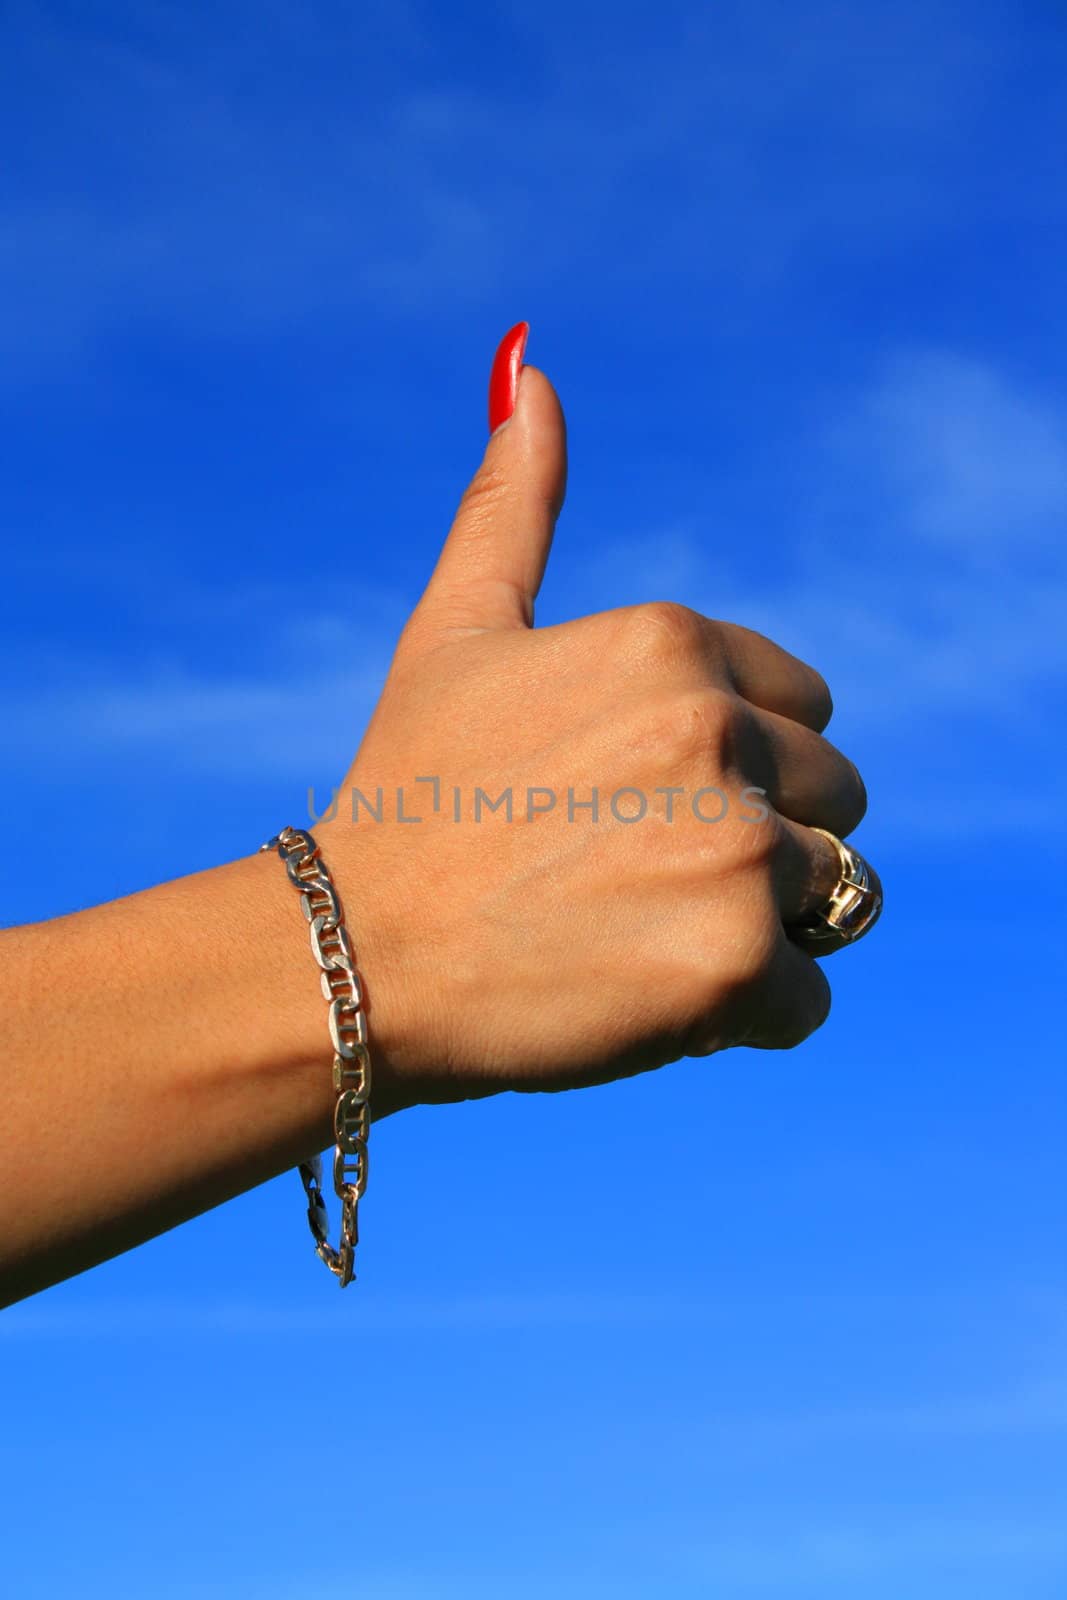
555,949
541,950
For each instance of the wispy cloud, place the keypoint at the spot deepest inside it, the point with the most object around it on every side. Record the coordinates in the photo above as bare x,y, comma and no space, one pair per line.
217,202
930,565
907,1548
343,174
977,464
482,1312
917,1553
929,583
235,684
926,578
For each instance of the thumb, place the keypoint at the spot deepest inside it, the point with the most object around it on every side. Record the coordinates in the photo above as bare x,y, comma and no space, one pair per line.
493,560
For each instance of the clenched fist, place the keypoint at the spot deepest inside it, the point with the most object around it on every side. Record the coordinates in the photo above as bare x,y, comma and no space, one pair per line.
563,855
615,817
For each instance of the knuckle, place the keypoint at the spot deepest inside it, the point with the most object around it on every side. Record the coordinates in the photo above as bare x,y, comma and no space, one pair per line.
849,795
664,629
754,846
815,703
697,994
752,959
713,999
724,719
808,1012
690,732
819,698
745,846
783,1005
687,732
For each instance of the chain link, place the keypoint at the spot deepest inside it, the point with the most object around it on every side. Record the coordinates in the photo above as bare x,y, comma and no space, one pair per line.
332,949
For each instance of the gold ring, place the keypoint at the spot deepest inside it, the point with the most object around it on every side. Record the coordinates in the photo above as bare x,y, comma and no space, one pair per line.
850,911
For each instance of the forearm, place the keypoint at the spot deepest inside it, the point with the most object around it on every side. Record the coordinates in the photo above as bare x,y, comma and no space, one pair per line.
168,1051
162,1053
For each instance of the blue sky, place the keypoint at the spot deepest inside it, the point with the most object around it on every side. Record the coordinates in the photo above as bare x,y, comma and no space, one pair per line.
759,1325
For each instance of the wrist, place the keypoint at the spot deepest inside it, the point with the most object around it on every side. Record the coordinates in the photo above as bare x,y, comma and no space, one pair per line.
381,935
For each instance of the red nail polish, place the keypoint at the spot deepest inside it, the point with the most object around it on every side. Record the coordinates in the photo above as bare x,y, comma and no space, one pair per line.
504,378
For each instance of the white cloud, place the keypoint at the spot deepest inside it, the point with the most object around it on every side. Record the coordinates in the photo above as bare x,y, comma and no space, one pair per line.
980,464
907,1549
378,1314
191,190
926,578
933,571
339,173
289,697
929,586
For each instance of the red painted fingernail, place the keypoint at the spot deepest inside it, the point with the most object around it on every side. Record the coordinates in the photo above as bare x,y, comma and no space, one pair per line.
504,378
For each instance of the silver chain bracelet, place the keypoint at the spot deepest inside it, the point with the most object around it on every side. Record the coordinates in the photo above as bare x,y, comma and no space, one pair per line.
351,1060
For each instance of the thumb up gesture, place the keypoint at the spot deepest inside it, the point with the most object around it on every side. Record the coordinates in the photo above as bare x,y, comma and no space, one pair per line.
577,852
